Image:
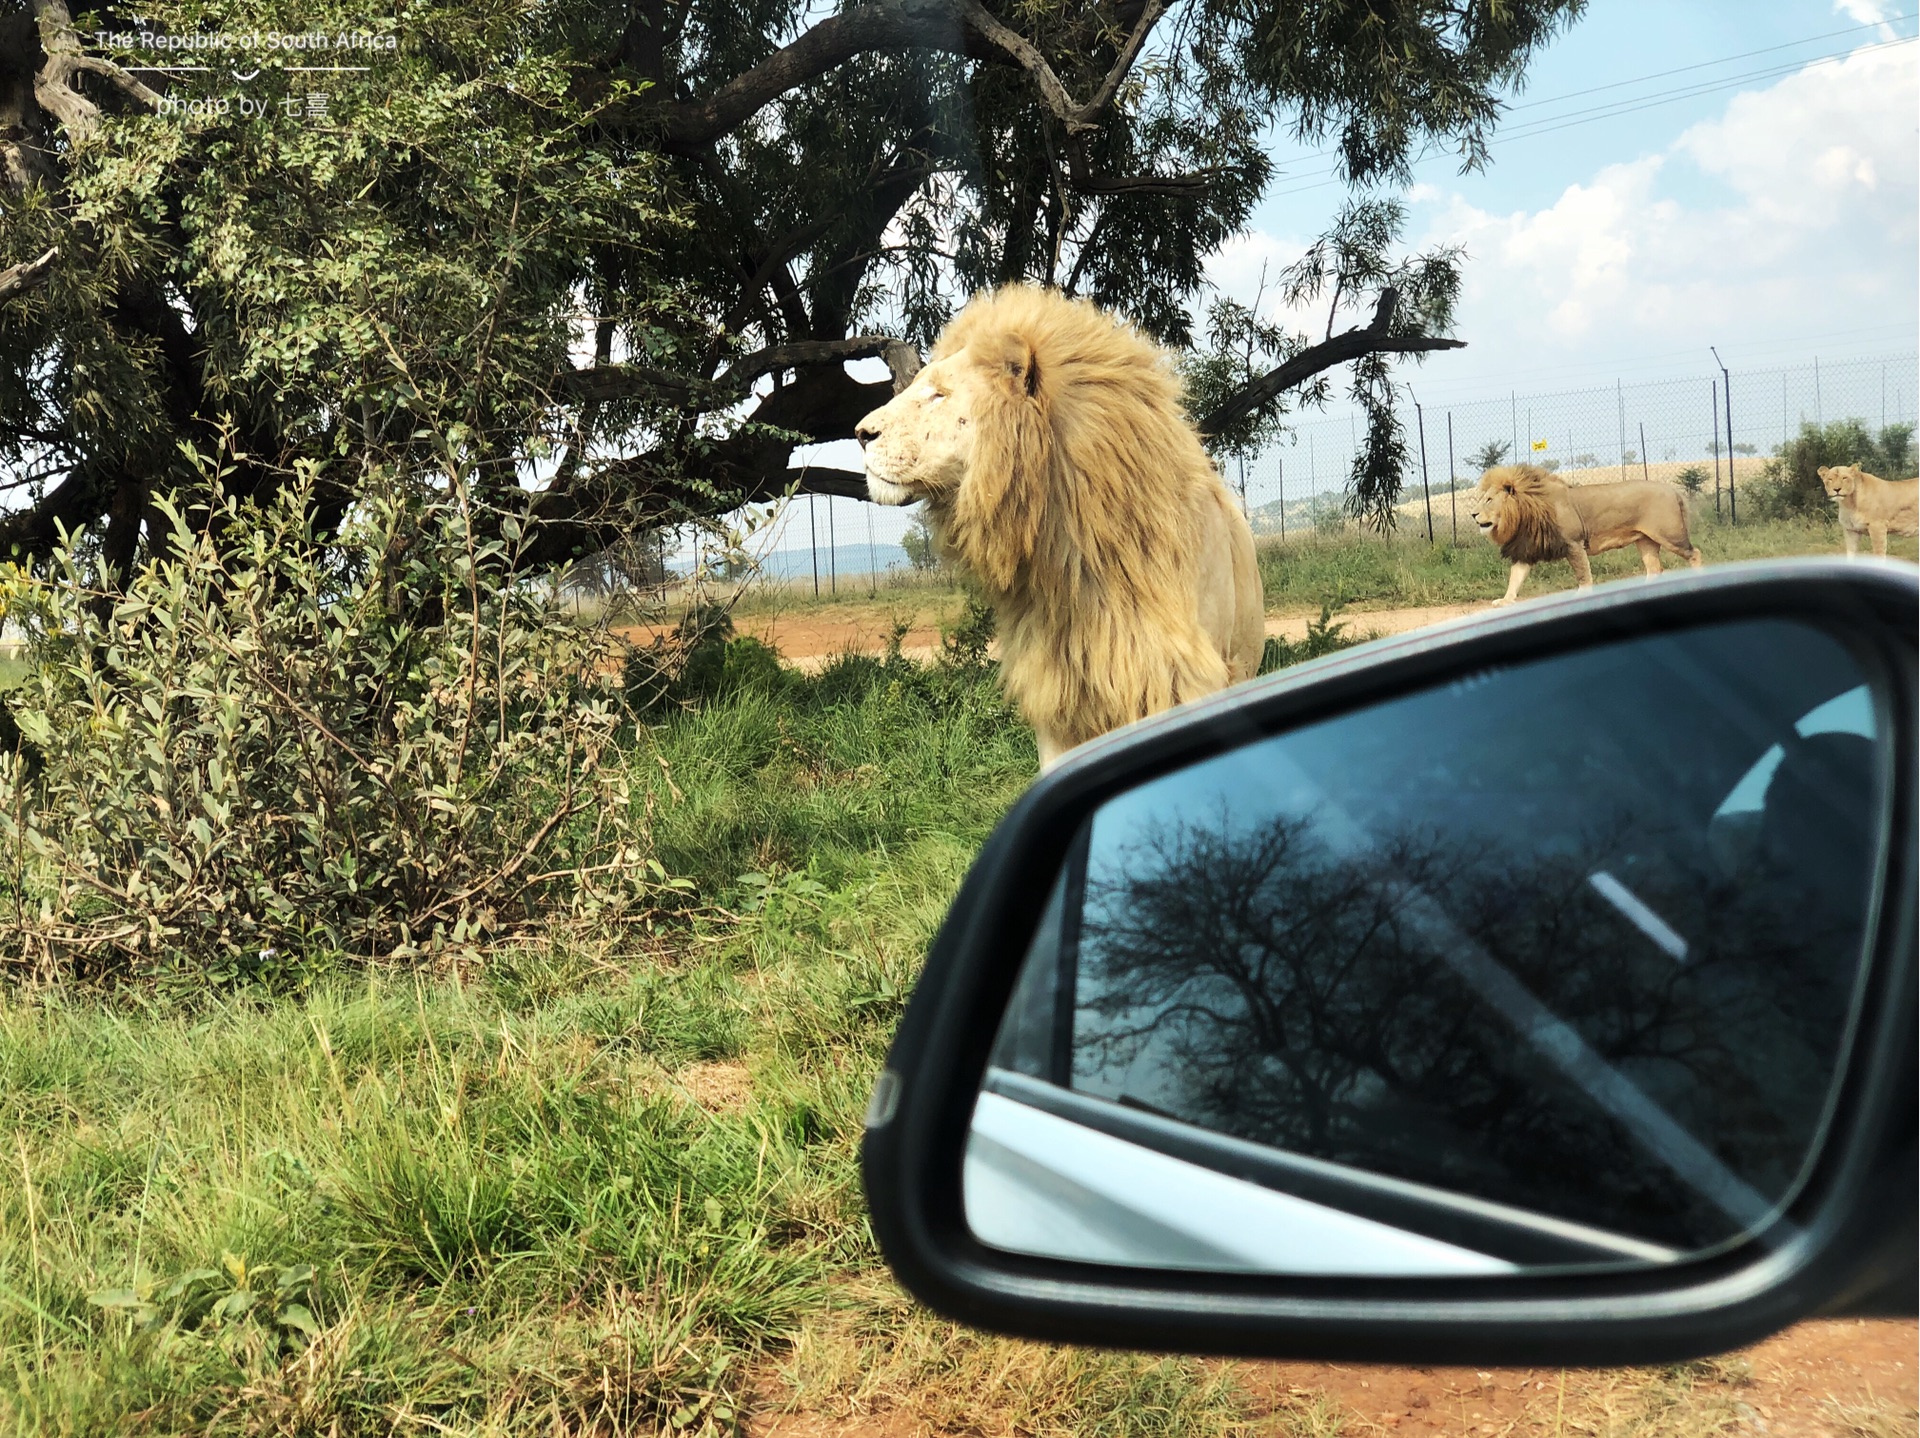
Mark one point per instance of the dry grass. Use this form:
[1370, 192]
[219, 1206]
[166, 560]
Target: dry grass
[876, 1356]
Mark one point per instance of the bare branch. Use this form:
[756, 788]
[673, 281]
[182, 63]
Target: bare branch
[888, 25]
[630, 381]
[802, 352]
[1354, 344]
[65, 62]
[1024, 54]
[819, 479]
[956, 27]
[27, 275]
[1085, 116]
[1191, 183]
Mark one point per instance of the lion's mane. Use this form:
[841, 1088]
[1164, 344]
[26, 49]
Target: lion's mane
[1525, 527]
[1094, 518]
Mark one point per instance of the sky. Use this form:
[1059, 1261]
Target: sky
[1773, 217]
[1739, 174]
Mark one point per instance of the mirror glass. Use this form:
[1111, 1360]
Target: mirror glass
[1550, 967]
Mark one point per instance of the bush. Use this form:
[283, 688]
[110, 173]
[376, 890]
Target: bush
[275, 753]
[1789, 483]
[702, 661]
[1692, 479]
[965, 645]
[1325, 635]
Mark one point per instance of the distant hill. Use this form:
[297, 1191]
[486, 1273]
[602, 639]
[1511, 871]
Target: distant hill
[845, 560]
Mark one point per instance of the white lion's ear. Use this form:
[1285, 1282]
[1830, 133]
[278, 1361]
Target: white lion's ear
[1014, 360]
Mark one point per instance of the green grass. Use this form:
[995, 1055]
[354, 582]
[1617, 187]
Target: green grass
[607, 1188]
[567, 1191]
[1369, 571]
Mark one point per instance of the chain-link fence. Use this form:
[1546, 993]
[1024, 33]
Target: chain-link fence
[1653, 430]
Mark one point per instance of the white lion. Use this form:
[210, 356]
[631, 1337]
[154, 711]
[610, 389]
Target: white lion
[1050, 448]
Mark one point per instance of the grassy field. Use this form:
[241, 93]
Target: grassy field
[608, 1189]
[1347, 567]
[1369, 572]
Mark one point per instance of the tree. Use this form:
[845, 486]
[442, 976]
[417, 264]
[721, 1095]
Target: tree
[1491, 453]
[628, 250]
[918, 543]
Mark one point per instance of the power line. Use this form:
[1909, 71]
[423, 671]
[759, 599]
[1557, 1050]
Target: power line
[1546, 124]
[1709, 64]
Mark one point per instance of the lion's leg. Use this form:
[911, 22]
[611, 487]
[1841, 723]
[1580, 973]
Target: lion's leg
[1879, 532]
[1695, 558]
[1649, 555]
[1516, 576]
[1582, 571]
[1850, 538]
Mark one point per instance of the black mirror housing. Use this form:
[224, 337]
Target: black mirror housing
[1848, 1245]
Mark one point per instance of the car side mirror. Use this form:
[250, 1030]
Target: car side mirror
[1536, 989]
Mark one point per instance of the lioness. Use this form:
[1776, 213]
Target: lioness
[1534, 517]
[1049, 446]
[1871, 505]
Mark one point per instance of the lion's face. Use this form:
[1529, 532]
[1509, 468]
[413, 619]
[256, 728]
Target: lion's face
[1839, 480]
[1493, 505]
[920, 443]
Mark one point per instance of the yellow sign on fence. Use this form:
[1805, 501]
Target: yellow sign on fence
[1538, 445]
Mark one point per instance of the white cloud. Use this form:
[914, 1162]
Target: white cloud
[1792, 213]
[1867, 12]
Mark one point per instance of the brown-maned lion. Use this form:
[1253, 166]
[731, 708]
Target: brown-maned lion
[1871, 505]
[1049, 446]
[1535, 517]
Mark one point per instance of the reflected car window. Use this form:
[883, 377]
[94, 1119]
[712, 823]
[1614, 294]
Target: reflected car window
[1490, 938]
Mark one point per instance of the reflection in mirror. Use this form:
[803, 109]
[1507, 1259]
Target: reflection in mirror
[1551, 967]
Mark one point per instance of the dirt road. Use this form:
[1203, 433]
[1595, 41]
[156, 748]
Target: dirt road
[1823, 1379]
[808, 641]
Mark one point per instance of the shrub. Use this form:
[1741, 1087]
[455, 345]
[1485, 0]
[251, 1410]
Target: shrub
[1692, 479]
[703, 661]
[1325, 635]
[275, 753]
[965, 645]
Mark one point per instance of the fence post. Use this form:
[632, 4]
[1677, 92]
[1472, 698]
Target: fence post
[873, 561]
[1644, 473]
[1283, 492]
[1245, 513]
[833, 553]
[813, 542]
[1425, 489]
[1620, 400]
[1733, 488]
[1713, 402]
[1453, 482]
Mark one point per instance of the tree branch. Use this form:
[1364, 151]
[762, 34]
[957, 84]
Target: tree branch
[888, 25]
[956, 27]
[32, 533]
[66, 61]
[821, 479]
[27, 275]
[1027, 56]
[1087, 114]
[629, 381]
[1355, 343]
[1191, 183]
